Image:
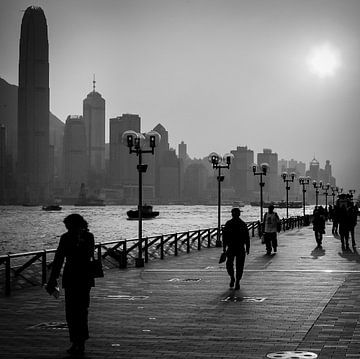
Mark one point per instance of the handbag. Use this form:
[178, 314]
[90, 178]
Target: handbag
[222, 257]
[96, 269]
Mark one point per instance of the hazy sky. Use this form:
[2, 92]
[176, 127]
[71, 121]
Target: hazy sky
[216, 73]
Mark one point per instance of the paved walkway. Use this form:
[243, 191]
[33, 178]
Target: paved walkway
[300, 299]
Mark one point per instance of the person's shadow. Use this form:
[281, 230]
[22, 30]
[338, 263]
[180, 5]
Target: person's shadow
[350, 255]
[318, 252]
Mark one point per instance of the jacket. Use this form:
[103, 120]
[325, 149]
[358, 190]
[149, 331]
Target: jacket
[236, 235]
[76, 250]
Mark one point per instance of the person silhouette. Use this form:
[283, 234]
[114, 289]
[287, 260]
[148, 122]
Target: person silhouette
[76, 247]
[236, 244]
[270, 225]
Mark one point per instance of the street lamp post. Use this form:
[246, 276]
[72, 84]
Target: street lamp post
[287, 178]
[263, 170]
[136, 143]
[317, 186]
[352, 192]
[218, 163]
[304, 181]
[326, 189]
[333, 193]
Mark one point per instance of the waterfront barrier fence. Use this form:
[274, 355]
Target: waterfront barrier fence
[19, 270]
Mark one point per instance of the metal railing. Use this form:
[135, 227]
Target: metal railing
[118, 253]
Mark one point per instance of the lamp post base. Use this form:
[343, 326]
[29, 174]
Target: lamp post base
[139, 262]
[218, 243]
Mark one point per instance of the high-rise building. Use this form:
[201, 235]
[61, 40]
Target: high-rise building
[75, 155]
[3, 169]
[122, 164]
[160, 153]
[33, 108]
[94, 117]
[272, 177]
[241, 174]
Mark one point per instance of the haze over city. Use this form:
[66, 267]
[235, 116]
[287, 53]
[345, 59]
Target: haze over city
[264, 74]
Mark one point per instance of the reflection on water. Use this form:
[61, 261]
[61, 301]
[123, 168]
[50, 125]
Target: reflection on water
[30, 228]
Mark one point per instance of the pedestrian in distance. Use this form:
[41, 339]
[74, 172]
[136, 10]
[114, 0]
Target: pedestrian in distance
[318, 225]
[236, 244]
[344, 227]
[76, 248]
[352, 212]
[271, 226]
[335, 220]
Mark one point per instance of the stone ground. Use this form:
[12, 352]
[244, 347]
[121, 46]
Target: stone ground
[301, 299]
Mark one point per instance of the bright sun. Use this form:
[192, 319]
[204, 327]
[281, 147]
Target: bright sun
[323, 60]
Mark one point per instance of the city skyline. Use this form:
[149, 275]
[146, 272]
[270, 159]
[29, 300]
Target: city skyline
[220, 93]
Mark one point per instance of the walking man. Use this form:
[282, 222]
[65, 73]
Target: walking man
[271, 221]
[236, 243]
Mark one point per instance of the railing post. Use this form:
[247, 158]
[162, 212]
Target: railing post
[188, 242]
[7, 276]
[209, 238]
[199, 240]
[99, 252]
[43, 265]
[176, 245]
[146, 250]
[162, 247]
[253, 229]
[123, 263]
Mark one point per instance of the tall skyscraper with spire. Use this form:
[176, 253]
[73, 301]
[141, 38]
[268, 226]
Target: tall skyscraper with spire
[33, 108]
[94, 117]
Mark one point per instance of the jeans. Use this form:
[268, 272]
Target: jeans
[239, 258]
[77, 301]
[270, 241]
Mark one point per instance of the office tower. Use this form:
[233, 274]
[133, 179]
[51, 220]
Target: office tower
[195, 181]
[75, 155]
[184, 160]
[122, 164]
[241, 173]
[272, 177]
[183, 151]
[314, 170]
[3, 169]
[160, 152]
[169, 177]
[94, 117]
[33, 108]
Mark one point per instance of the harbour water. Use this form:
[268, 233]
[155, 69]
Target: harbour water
[25, 229]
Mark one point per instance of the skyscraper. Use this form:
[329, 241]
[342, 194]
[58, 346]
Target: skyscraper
[75, 156]
[94, 117]
[272, 177]
[241, 174]
[33, 108]
[122, 165]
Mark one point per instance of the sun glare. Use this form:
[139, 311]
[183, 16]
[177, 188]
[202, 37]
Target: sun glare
[323, 61]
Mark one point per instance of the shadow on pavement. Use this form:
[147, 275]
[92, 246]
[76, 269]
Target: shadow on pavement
[350, 255]
[317, 252]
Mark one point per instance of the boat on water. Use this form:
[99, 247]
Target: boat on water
[291, 204]
[85, 201]
[278, 204]
[146, 213]
[52, 207]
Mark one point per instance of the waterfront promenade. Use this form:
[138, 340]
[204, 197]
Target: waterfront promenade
[300, 299]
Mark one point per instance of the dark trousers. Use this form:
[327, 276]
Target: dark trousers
[239, 258]
[352, 234]
[344, 235]
[270, 241]
[77, 301]
[318, 237]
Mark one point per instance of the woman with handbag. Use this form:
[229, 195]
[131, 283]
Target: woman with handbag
[76, 247]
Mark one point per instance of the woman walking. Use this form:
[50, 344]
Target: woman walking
[77, 247]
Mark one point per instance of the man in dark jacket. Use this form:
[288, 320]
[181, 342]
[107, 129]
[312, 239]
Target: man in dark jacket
[236, 243]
